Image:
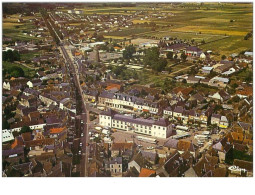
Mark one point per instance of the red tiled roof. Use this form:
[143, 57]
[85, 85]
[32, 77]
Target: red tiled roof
[146, 172]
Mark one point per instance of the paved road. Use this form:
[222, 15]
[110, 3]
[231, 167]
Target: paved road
[73, 69]
[75, 77]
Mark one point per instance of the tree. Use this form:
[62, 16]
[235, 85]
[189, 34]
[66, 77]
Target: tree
[223, 57]
[16, 71]
[128, 52]
[184, 56]
[170, 55]
[25, 129]
[11, 55]
[151, 55]
[5, 125]
[159, 65]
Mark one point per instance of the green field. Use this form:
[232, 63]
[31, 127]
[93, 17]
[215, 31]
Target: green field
[128, 32]
[28, 72]
[15, 30]
[221, 25]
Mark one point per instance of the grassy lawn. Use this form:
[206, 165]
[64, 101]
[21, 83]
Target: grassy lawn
[29, 56]
[28, 72]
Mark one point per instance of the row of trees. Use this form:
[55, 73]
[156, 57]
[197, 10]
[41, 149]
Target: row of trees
[11, 56]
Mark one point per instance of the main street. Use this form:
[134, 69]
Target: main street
[84, 115]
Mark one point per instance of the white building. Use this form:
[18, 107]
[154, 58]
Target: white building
[161, 128]
[7, 136]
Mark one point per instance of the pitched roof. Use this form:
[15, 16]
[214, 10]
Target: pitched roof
[56, 130]
[146, 172]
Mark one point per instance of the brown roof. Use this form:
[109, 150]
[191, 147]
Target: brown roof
[184, 145]
[122, 146]
[147, 173]
[205, 164]
[244, 164]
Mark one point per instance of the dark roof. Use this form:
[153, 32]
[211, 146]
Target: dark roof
[178, 109]
[171, 143]
[9, 152]
[117, 160]
[53, 120]
[192, 48]
[162, 122]
[149, 155]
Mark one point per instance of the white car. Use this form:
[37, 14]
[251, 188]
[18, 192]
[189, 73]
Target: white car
[81, 144]
[80, 152]
[82, 135]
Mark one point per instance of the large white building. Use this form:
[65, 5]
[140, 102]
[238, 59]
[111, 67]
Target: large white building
[161, 128]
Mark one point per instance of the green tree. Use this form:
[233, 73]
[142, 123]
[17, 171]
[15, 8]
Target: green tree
[16, 71]
[25, 129]
[223, 57]
[184, 56]
[169, 55]
[128, 52]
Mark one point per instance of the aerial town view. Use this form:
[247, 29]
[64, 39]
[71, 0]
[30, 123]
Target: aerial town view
[127, 89]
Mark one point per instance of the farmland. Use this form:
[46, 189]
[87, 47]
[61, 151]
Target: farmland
[221, 26]
[18, 31]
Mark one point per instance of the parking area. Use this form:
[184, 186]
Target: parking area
[123, 136]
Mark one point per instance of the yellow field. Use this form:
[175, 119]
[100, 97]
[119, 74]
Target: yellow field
[140, 21]
[7, 25]
[210, 31]
[216, 20]
[114, 37]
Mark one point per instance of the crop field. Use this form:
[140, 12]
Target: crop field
[128, 32]
[14, 30]
[186, 35]
[221, 26]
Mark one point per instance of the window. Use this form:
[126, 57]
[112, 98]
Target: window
[158, 127]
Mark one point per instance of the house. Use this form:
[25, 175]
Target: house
[119, 148]
[138, 162]
[90, 95]
[173, 164]
[150, 156]
[116, 166]
[168, 111]
[184, 145]
[248, 54]
[215, 119]
[34, 83]
[147, 173]
[178, 111]
[193, 51]
[7, 136]
[223, 148]
[221, 96]
[193, 80]
[223, 122]
[206, 165]
[57, 132]
[207, 69]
